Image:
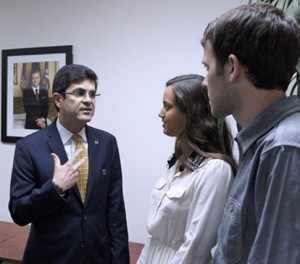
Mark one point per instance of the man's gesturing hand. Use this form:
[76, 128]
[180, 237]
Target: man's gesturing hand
[66, 175]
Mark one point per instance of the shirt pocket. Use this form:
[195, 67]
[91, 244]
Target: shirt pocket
[160, 184]
[158, 192]
[176, 203]
[176, 192]
[229, 234]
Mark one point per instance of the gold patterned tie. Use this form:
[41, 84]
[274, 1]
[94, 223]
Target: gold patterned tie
[84, 168]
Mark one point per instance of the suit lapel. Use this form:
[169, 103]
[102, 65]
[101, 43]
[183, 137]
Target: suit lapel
[57, 147]
[55, 143]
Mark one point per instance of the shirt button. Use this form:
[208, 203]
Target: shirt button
[84, 217]
[81, 244]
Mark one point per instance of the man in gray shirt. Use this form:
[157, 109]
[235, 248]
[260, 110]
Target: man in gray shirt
[250, 54]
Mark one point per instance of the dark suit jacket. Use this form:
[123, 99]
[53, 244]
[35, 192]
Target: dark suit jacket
[34, 109]
[63, 230]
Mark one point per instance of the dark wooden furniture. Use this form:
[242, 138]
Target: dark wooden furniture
[13, 240]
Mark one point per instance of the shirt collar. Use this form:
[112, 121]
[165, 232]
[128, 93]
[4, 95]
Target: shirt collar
[66, 135]
[34, 88]
[266, 120]
[192, 163]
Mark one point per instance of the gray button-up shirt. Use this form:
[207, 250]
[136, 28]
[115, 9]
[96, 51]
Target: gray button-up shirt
[261, 221]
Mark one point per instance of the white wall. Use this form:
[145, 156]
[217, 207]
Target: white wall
[134, 46]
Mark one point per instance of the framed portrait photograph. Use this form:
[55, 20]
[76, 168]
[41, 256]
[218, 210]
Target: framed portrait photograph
[27, 78]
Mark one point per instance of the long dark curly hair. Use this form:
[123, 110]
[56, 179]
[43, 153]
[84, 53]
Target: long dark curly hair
[201, 127]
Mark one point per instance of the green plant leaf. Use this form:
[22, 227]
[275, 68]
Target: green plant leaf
[296, 85]
[261, 1]
[283, 4]
[280, 4]
[298, 66]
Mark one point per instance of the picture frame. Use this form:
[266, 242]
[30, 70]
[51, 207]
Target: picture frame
[19, 67]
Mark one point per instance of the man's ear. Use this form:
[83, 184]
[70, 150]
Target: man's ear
[57, 98]
[234, 67]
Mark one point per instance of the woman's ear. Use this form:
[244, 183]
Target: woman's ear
[235, 67]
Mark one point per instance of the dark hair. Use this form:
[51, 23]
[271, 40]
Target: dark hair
[264, 39]
[72, 73]
[36, 71]
[201, 127]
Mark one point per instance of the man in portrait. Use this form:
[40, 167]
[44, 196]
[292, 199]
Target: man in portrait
[36, 103]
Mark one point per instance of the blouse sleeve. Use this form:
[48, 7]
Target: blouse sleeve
[211, 191]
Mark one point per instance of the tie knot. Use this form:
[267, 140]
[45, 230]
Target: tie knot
[77, 139]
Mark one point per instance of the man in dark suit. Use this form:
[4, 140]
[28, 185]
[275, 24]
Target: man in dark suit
[36, 104]
[67, 228]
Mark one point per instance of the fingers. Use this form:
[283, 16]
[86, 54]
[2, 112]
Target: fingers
[66, 175]
[81, 161]
[40, 122]
[55, 159]
[74, 161]
[71, 162]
